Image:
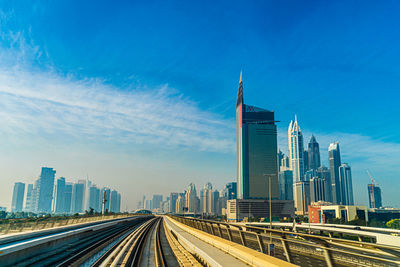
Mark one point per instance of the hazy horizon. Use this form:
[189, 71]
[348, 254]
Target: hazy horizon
[142, 99]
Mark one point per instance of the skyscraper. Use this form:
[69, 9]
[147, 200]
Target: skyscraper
[45, 190]
[113, 201]
[207, 199]
[296, 150]
[317, 189]
[230, 191]
[346, 185]
[68, 197]
[157, 199]
[172, 202]
[374, 196]
[191, 200]
[28, 200]
[94, 198]
[78, 196]
[286, 184]
[256, 137]
[302, 197]
[324, 173]
[59, 195]
[106, 206]
[334, 163]
[314, 158]
[18, 197]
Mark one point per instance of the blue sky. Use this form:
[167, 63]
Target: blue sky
[141, 95]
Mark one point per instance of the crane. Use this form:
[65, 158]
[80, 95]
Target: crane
[370, 176]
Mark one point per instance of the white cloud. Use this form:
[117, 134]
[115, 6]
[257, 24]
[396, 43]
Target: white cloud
[47, 103]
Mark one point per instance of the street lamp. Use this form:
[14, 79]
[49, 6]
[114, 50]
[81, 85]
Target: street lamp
[270, 212]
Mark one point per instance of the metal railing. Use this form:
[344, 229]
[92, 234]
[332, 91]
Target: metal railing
[293, 246]
[52, 222]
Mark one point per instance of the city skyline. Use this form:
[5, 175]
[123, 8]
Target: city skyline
[159, 113]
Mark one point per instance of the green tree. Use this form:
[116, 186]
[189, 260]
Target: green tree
[395, 224]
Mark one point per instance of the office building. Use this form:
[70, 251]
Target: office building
[105, 199]
[374, 196]
[296, 150]
[28, 200]
[301, 197]
[207, 199]
[324, 173]
[68, 197]
[346, 185]
[317, 189]
[286, 184]
[334, 164]
[239, 209]
[148, 204]
[78, 196]
[191, 203]
[114, 201]
[94, 199]
[280, 158]
[256, 136]
[230, 191]
[180, 204]
[314, 157]
[172, 202]
[157, 200]
[45, 186]
[59, 196]
[18, 197]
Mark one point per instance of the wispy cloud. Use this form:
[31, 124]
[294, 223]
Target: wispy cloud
[47, 103]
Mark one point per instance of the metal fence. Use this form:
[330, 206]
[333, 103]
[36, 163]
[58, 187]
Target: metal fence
[22, 225]
[301, 248]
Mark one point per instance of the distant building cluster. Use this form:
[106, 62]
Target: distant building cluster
[50, 195]
[207, 202]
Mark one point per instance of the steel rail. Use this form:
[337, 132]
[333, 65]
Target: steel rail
[160, 257]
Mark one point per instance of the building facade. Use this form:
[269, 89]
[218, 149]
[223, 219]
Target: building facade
[256, 136]
[317, 189]
[18, 197]
[334, 164]
[314, 157]
[301, 197]
[346, 185]
[286, 184]
[44, 190]
[374, 196]
[296, 150]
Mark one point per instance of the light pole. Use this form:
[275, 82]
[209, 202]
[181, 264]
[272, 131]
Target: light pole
[270, 213]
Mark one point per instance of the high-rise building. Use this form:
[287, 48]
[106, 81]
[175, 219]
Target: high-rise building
[334, 163]
[113, 201]
[59, 196]
[78, 197]
[317, 189]
[207, 199]
[374, 196]
[119, 203]
[280, 158]
[105, 199]
[148, 204]
[94, 198]
[305, 160]
[230, 191]
[172, 202]
[302, 197]
[324, 173]
[68, 197]
[45, 190]
[157, 199]
[346, 185]
[286, 184]
[296, 150]
[256, 137]
[18, 197]
[285, 163]
[180, 203]
[191, 199]
[314, 158]
[28, 200]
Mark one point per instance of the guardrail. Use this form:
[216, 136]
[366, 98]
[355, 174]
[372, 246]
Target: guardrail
[52, 222]
[292, 245]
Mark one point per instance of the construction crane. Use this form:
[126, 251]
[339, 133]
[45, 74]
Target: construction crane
[370, 176]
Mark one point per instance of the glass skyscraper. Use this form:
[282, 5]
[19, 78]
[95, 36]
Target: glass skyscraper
[346, 185]
[45, 190]
[18, 197]
[256, 137]
[334, 163]
[374, 196]
[314, 159]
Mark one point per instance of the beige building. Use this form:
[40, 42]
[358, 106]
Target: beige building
[301, 192]
[349, 213]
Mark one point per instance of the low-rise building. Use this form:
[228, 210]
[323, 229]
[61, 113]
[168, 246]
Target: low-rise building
[238, 209]
[322, 213]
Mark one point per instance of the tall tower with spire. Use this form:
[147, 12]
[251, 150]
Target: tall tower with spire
[296, 150]
[257, 146]
[314, 157]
